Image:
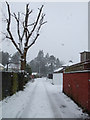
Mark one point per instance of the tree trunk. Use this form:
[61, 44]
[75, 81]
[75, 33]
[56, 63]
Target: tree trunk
[23, 64]
[23, 61]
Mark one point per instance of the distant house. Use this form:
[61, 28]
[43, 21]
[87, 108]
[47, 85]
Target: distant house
[34, 73]
[1, 67]
[11, 67]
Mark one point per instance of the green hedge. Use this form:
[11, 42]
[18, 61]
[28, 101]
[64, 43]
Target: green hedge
[13, 82]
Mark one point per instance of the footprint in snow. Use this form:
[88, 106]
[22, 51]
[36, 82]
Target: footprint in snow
[62, 106]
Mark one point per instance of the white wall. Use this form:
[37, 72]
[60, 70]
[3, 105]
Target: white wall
[58, 79]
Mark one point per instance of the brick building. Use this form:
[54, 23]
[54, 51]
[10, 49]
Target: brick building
[76, 81]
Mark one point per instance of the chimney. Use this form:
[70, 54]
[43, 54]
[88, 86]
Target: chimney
[85, 56]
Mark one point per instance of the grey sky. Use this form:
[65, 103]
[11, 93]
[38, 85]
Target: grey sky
[66, 33]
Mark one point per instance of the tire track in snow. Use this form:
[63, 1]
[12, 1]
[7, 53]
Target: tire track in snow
[31, 96]
[54, 106]
[61, 108]
[39, 107]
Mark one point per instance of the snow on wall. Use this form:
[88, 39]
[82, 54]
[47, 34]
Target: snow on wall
[58, 78]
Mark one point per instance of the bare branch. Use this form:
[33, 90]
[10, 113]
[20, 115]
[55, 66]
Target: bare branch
[23, 30]
[25, 23]
[31, 24]
[8, 37]
[41, 23]
[33, 41]
[44, 22]
[36, 22]
[38, 29]
[18, 25]
[26, 20]
[30, 12]
[8, 29]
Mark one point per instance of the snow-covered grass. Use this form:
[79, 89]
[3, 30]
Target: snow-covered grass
[41, 99]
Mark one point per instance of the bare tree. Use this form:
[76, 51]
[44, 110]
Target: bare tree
[29, 31]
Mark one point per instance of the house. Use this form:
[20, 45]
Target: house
[76, 81]
[1, 67]
[35, 74]
[12, 67]
[58, 74]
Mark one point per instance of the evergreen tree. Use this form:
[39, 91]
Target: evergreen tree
[4, 57]
[40, 55]
[58, 63]
[28, 69]
[15, 58]
[44, 65]
[47, 56]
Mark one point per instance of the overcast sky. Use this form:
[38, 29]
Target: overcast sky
[66, 33]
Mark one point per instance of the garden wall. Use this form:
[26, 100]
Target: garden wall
[77, 86]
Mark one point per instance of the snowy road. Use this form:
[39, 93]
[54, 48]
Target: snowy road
[39, 105]
[41, 99]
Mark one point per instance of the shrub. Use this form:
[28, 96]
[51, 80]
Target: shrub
[15, 83]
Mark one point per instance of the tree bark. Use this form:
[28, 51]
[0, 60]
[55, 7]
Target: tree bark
[23, 64]
[23, 60]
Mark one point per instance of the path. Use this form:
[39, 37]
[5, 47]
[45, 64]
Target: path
[41, 99]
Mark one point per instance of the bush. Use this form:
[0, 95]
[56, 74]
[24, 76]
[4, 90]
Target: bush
[28, 69]
[13, 82]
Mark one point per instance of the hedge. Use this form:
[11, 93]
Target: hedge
[12, 82]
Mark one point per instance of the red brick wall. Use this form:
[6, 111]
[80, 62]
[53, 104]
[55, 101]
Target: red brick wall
[77, 86]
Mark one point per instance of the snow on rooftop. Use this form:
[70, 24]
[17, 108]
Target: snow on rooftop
[34, 73]
[68, 64]
[59, 69]
[1, 65]
[12, 65]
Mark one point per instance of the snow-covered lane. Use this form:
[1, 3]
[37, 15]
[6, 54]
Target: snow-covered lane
[39, 106]
[62, 106]
[41, 99]
[48, 101]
